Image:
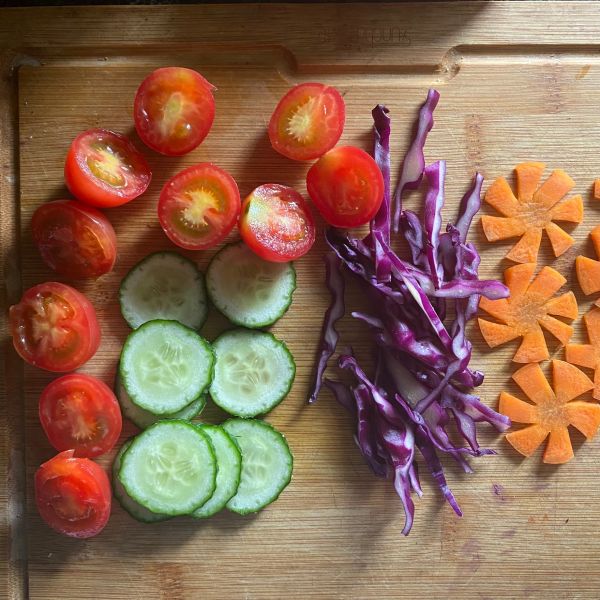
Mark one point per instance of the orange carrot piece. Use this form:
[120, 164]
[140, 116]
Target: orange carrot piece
[588, 274]
[529, 306]
[560, 240]
[533, 210]
[563, 306]
[556, 187]
[501, 197]
[528, 176]
[559, 449]
[588, 355]
[597, 189]
[570, 210]
[595, 235]
[527, 440]
[552, 411]
[501, 228]
[516, 410]
[527, 248]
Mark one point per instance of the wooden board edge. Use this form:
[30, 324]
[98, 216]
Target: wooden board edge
[13, 539]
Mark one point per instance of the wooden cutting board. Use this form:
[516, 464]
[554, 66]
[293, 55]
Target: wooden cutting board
[518, 81]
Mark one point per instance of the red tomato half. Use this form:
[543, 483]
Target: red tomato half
[80, 412]
[346, 186]
[276, 223]
[54, 327]
[104, 168]
[73, 495]
[199, 206]
[308, 121]
[75, 240]
[174, 110]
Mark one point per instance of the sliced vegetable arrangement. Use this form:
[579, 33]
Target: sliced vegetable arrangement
[535, 208]
[422, 362]
[588, 269]
[588, 355]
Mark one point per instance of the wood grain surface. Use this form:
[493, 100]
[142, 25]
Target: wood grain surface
[518, 81]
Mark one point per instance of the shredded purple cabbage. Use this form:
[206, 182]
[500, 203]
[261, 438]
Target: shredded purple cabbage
[420, 391]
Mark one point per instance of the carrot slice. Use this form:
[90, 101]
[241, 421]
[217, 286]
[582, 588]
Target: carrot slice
[552, 411]
[558, 449]
[588, 355]
[588, 274]
[570, 210]
[529, 306]
[528, 176]
[560, 240]
[597, 189]
[534, 209]
[595, 235]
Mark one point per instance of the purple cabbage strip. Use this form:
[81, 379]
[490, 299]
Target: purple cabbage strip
[414, 161]
[419, 396]
[336, 309]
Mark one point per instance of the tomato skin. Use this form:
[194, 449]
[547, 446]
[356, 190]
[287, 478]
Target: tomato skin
[80, 412]
[97, 152]
[174, 110]
[308, 121]
[346, 186]
[54, 327]
[75, 240]
[73, 495]
[199, 206]
[276, 223]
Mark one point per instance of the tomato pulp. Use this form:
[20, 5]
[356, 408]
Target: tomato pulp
[276, 223]
[54, 327]
[75, 240]
[308, 121]
[174, 109]
[104, 168]
[80, 412]
[346, 186]
[73, 495]
[199, 206]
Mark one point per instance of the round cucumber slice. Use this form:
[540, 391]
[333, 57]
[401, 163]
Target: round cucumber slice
[164, 285]
[165, 366]
[137, 511]
[170, 468]
[267, 464]
[143, 418]
[254, 371]
[248, 290]
[229, 461]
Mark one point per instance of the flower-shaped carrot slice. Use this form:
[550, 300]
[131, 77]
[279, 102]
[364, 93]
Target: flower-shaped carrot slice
[588, 269]
[533, 209]
[527, 310]
[588, 355]
[552, 411]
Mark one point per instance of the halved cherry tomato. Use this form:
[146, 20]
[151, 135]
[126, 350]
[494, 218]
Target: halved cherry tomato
[54, 327]
[80, 412]
[276, 223]
[199, 206]
[174, 110]
[346, 186]
[104, 168]
[73, 495]
[308, 121]
[75, 240]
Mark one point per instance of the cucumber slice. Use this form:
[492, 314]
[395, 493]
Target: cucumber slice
[137, 511]
[249, 291]
[267, 464]
[229, 460]
[165, 366]
[254, 371]
[143, 419]
[164, 285]
[170, 468]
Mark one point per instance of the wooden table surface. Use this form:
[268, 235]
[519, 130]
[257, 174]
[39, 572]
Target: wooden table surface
[518, 81]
